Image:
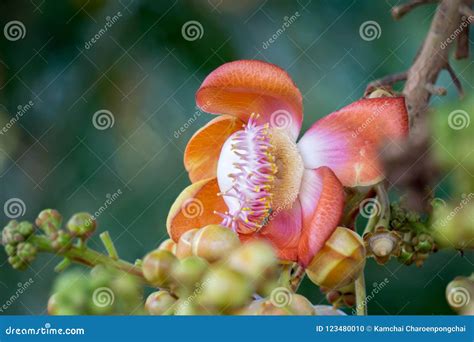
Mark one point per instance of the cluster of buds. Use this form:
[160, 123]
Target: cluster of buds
[208, 271]
[416, 241]
[22, 247]
[15, 239]
[102, 291]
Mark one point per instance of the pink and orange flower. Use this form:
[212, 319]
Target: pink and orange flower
[250, 174]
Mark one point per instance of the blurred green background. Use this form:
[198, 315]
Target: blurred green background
[144, 71]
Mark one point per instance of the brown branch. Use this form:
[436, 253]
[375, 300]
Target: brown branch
[399, 11]
[409, 166]
[386, 81]
[433, 58]
[462, 42]
[455, 79]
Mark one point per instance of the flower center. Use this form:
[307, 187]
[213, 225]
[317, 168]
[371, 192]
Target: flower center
[259, 173]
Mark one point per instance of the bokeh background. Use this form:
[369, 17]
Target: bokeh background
[145, 72]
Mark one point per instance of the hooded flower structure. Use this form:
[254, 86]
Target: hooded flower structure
[250, 174]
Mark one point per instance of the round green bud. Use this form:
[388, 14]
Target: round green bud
[82, 224]
[189, 271]
[49, 220]
[26, 251]
[157, 267]
[160, 303]
[10, 250]
[214, 242]
[52, 305]
[25, 228]
[223, 288]
[256, 260]
[62, 240]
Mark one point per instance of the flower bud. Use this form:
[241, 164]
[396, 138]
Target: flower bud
[26, 251]
[223, 288]
[327, 310]
[295, 304]
[157, 266]
[168, 245]
[256, 260]
[184, 247]
[52, 305]
[62, 240]
[160, 303]
[82, 224]
[214, 241]
[340, 261]
[49, 221]
[189, 271]
[382, 244]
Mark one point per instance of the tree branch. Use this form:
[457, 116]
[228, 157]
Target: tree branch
[399, 11]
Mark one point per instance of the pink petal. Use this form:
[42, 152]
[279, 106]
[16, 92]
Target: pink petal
[349, 140]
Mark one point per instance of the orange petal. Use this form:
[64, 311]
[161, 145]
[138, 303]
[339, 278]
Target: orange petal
[204, 148]
[322, 203]
[244, 87]
[349, 140]
[194, 208]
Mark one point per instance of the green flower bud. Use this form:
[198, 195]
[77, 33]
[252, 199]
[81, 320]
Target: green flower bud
[26, 251]
[82, 224]
[16, 262]
[406, 255]
[10, 250]
[11, 233]
[157, 267]
[49, 220]
[223, 288]
[189, 272]
[160, 303]
[52, 305]
[214, 242]
[62, 240]
[256, 260]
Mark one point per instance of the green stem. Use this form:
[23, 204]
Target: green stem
[285, 275]
[86, 256]
[109, 245]
[361, 302]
